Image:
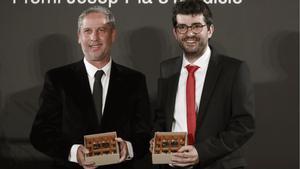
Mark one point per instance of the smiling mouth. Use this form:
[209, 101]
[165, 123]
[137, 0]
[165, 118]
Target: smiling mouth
[95, 46]
[190, 40]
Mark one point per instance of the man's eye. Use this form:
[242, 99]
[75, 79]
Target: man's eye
[197, 26]
[87, 31]
[181, 26]
[101, 30]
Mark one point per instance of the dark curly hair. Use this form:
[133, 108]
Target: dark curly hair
[192, 7]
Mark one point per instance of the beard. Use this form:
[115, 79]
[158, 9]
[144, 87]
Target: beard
[193, 47]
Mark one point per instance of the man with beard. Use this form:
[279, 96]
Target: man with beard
[93, 95]
[203, 93]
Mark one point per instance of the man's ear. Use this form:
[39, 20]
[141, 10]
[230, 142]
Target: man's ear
[78, 37]
[175, 34]
[211, 30]
[114, 34]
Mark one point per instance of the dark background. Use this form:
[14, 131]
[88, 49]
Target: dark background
[264, 33]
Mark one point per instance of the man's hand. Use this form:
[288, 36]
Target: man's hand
[151, 142]
[80, 158]
[186, 156]
[123, 149]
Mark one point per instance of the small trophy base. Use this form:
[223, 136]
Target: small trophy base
[166, 143]
[103, 148]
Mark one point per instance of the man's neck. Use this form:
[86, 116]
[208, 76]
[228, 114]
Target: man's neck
[193, 57]
[99, 63]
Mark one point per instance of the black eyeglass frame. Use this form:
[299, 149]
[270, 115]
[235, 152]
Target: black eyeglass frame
[195, 28]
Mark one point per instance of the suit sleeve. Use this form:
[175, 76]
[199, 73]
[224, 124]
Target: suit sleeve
[46, 134]
[159, 123]
[159, 117]
[241, 125]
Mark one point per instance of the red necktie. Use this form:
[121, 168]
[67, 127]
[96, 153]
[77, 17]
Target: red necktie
[191, 103]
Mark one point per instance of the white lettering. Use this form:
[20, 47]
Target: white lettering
[163, 1]
[145, 1]
[223, 1]
[175, 1]
[92, 1]
[35, 1]
[112, 2]
[70, 1]
[237, 1]
[81, 1]
[40, 1]
[207, 1]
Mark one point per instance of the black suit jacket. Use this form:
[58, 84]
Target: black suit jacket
[67, 112]
[225, 120]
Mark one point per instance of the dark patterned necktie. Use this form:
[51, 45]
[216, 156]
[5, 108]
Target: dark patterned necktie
[97, 93]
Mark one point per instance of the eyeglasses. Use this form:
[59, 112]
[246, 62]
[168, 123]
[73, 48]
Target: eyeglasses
[196, 28]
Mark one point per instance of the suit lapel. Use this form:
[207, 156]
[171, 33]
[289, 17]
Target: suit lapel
[85, 97]
[172, 90]
[111, 89]
[172, 86]
[113, 99]
[212, 75]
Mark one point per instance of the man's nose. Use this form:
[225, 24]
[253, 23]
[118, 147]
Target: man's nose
[94, 35]
[190, 32]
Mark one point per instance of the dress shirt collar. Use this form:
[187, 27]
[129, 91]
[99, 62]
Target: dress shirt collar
[201, 62]
[91, 69]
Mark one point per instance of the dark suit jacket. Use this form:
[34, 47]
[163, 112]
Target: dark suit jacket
[225, 120]
[67, 111]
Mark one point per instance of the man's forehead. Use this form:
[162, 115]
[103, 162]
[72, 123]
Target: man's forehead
[182, 18]
[95, 17]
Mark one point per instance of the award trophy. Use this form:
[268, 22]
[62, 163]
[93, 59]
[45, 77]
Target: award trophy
[103, 148]
[166, 143]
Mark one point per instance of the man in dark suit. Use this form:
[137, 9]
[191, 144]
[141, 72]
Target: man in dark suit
[206, 94]
[71, 106]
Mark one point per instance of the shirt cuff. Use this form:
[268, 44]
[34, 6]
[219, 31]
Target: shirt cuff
[73, 153]
[130, 150]
[188, 167]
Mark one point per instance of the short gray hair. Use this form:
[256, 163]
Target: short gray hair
[97, 9]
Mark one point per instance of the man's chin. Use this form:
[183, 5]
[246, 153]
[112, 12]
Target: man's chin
[95, 58]
[192, 52]
[191, 48]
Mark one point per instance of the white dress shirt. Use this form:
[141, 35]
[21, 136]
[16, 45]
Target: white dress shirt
[91, 70]
[180, 113]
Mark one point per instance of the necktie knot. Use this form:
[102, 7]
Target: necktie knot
[191, 68]
[99, 74]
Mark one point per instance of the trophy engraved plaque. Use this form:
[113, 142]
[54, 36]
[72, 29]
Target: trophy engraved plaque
[166, 143]
[103, 148]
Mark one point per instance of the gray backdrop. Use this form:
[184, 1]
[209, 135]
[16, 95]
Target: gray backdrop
[265, 33]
